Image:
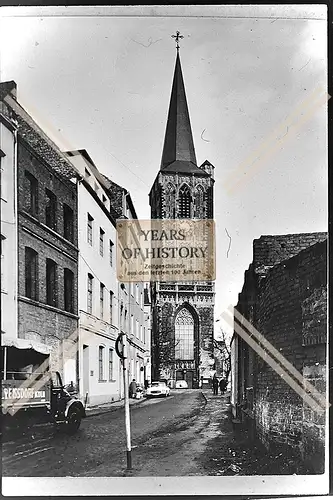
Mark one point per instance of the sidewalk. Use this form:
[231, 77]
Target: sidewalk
[92, 410]
[209, 396]
[232, 451]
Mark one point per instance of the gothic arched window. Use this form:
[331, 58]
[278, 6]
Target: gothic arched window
[184, 202]
[199, 203]
[184, 335]
[169, 201]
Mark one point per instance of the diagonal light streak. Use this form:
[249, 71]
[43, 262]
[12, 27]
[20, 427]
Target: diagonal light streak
[272, 137]
[276, 366]
[283, 361]
[280, 128]
[273, 142]
[280, 141]
[39, 383]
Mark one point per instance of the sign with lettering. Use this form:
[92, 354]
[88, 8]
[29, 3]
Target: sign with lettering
[21, 393]
[165, 250]
[186, 365]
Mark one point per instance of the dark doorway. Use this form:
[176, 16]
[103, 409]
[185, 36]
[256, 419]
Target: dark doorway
[189, 379]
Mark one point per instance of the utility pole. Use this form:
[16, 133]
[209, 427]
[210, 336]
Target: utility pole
[127, 407]
[121, 350]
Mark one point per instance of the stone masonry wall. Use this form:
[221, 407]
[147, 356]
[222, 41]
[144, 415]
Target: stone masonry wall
[282, 417]
[164, 331]
[36, 319]
[271, 250]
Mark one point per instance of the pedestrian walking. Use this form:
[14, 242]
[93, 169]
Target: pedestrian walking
[132, 389]
[215, 385]
[223, 385]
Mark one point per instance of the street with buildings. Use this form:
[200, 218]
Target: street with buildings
[187, 434]
[65, 309]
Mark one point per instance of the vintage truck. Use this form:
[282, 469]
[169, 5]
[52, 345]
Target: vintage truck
[29, 388]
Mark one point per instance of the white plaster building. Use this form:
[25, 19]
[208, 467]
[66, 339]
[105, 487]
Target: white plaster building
[8, 162]
[133, 318]
[100, 373]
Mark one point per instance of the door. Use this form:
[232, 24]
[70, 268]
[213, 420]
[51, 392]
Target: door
[189, 379]
[85, 371]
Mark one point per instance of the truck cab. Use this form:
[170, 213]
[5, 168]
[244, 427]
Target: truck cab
[34, 389]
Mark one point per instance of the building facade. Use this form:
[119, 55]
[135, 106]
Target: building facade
[47, 257]
[8, 170]
[100, 376]
[285, 298]
[133, 317]
[182, 313]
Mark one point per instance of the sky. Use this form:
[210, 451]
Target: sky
[100, 79]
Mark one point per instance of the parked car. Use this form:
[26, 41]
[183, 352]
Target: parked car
[181, 384]
[158, 389]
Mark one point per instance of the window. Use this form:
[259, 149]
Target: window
[2, 265]
[111, 307]
[90, 293]
[136, 328]
[132, 324]
[141, 338]
[199, 203]
[69, 290]
[110, 364]
[68, 223]
[90, 229]
[101, 363]
[169, 201]
[144, 334]
[110, 252]
[4, 187]
[184, 335]
[184, 202]
[31, 193]
[121, 317]
[101, 299]
[31, 274]
[101, 241]
[51, 209]
[51, 282]
[137, 293]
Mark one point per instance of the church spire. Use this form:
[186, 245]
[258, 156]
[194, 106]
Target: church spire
[178, 151]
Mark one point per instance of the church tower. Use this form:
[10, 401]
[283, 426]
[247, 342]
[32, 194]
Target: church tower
[182, 313]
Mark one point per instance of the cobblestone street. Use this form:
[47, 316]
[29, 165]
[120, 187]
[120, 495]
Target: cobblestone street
[188, 434]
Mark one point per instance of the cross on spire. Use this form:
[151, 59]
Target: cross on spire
[177, 37]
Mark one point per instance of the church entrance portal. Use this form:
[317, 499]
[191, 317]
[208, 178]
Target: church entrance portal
[188, 376]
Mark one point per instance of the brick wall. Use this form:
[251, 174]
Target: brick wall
[271, 250]
[287, 303]
[36, 319]
[282, 415]
[65, 190]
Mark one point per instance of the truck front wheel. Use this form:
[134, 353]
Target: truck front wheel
[73, 420]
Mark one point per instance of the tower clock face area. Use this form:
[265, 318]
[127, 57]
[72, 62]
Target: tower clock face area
[183, 312]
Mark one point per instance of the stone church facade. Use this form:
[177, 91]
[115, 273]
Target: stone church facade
[182, 312]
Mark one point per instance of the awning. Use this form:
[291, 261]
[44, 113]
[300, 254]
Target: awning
[7, 341]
